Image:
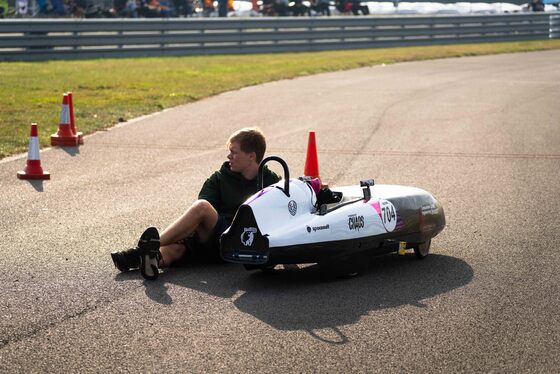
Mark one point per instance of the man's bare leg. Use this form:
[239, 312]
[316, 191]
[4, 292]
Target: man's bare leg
[201, 217]
[170, 253]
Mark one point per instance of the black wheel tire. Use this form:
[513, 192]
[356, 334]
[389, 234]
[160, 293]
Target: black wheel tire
[267, 269]
[344, 269]
[421, 250]
[263, 268]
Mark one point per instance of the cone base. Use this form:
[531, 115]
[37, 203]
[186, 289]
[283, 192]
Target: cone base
[27, 176]
[67, 141]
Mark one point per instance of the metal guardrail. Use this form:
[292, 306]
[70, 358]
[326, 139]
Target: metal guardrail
[44, 39]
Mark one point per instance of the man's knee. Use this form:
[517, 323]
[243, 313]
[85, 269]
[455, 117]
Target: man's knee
[204, 209]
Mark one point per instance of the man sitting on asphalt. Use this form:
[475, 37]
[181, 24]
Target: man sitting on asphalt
[196, 234]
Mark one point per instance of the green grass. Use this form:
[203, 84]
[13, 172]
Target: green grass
[107, 91]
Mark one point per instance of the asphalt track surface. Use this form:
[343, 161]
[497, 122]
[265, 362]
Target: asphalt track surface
[481, 133]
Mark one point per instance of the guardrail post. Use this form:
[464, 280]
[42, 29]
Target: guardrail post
[75, 34]
[484, 29]
[43, 46]
[432, 29]
[554, 30]
[120, 33]
[240, 33]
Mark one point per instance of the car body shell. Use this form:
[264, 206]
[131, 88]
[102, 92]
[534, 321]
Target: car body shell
[274, 227]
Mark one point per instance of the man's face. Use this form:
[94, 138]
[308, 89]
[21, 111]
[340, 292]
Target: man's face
[240, 161]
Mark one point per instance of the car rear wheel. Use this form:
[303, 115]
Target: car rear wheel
[421, 250]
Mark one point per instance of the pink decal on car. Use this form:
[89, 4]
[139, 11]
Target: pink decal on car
[376, 206]
[256, 196]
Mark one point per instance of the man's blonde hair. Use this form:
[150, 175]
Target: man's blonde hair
[250, 139]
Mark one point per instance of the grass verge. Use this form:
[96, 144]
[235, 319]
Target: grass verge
[107, 91]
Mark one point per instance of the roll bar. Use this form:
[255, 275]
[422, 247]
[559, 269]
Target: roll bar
[260, 177]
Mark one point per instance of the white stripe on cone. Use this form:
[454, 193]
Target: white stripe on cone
[64, 115]
[33, 152]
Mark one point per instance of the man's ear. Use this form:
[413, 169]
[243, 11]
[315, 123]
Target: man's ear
[253, 156]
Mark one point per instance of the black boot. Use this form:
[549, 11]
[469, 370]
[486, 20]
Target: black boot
[148, 248]
[126, 260]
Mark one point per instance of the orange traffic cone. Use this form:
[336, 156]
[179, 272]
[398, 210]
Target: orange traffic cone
[64, 136]
[72, 122]
[311, 168]
[33, 169]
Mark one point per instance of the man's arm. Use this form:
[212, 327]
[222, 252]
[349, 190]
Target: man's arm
[210, 191]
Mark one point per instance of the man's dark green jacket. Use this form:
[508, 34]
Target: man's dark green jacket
[227, 190]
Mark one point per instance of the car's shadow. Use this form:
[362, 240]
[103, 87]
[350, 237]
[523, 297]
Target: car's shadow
[304, 300]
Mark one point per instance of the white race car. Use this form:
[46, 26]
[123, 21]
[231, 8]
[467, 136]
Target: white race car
[291, 222]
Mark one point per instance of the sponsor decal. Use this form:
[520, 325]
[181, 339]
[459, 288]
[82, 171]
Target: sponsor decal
[248, 235]
[355, 222]
[292, 207]
[429, 209]
[318, 228]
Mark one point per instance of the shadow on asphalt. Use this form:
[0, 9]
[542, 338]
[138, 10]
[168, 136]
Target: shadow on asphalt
[303, 299]
[72, 151]
[37, 185]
